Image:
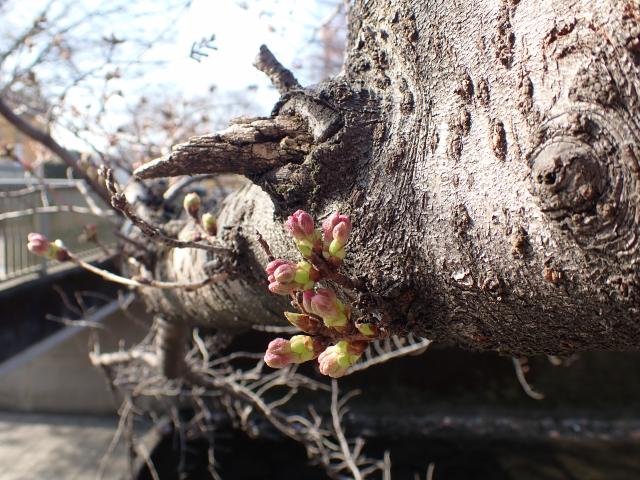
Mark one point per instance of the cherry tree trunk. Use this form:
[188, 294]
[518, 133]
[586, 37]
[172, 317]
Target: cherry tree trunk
[488, 155]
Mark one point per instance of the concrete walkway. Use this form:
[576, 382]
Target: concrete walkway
[58, 447]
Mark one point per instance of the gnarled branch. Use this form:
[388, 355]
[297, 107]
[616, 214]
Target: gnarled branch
[248, 147]
[47, 140]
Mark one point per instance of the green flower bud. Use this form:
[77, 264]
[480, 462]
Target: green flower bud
[192, 203]
[367, 329]
[303, 347]
[58, 251]
[302, 273]
[335, 360]
[305, 247]
[304, 322]
[209, 224]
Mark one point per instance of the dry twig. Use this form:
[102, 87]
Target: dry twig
[120, 202]
[522, 379]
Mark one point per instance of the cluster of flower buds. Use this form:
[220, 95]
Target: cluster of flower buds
[191, 204]
[305, 236]
[40, 245]
[298, 349]
[286, 277]
[207, 222]
[323, 314]
[327, 306]
[335, 233]
[336, 359]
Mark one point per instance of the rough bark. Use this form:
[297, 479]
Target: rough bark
[487, 153]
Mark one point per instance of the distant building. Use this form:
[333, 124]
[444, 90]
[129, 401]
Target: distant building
[27, 150]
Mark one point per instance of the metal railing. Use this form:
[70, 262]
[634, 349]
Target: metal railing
[58, 208]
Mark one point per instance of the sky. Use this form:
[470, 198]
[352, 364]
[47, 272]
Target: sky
[239, 32]
[239, 27]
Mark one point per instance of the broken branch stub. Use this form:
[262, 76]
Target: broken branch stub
[280, 77]
[248, 147]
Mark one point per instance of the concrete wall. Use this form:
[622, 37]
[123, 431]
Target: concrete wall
[55, 374]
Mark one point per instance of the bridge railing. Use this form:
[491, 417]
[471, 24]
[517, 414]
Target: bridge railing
[58, 208]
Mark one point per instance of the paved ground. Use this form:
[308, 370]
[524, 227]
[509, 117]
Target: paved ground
[58, 447]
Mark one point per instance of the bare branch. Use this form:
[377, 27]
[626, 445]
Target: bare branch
[115, 358]
[517, 364]
[280, 77]
[120, 202]
[248, 147]
[176, 189]
[144, 282]
[388, 349]
[47, 140]
[337, 427]
[430, 471]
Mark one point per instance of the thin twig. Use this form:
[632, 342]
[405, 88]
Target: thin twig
[523, 380]
[275, 329]
[120, 202]
[344, 446]
[430, 470]
[141, 282]
[115, 358]
[125, 411]
[265, 246]
[175, 190]
[47, 140]
[387, 352]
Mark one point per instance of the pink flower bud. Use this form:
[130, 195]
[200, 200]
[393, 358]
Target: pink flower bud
[299, 349]
[342, 230]
[307, 295]
[330, 223]
[273, 266]
[286, 277]
[279, 353]
[192, 203]
[282, 288]
[300, 224]
[336, 360]
[38, 244]
[335, 233]
[325, 304]
[285, 273]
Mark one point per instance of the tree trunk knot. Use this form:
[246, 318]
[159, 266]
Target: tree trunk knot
[585, 174]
